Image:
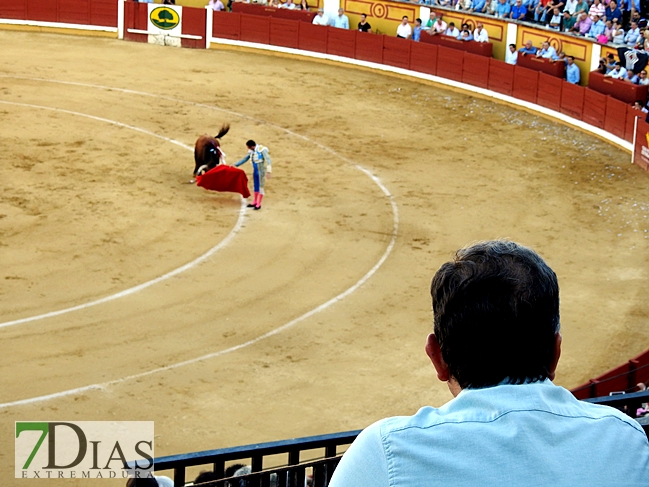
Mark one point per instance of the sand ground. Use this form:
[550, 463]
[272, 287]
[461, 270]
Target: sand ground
[94, 200]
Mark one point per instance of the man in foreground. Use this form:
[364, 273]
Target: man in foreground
[496, 343]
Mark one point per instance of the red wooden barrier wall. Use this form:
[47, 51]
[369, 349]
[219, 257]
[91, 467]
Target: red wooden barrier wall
[526, 84]
[615, 121]
[450, 63]
[82, 12]
[549, 92]
[341, 42]
[501, 77]
[396, 52]
[631, 114]
[475, 70]
[594, 108]
[283, 32]
[369, 47]
[135, 17]
[423, 58]
[313, 37]
[194, 24]
[226, 25]
[572, 100]
[255, 28]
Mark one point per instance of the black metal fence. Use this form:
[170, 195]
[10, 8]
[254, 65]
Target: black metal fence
[292, 473]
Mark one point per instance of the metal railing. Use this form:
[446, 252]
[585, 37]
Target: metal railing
[290, 475]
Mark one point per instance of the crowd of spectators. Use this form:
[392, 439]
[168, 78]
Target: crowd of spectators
[603, 21]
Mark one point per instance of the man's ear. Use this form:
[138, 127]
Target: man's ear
[555, 359]
[435, 354]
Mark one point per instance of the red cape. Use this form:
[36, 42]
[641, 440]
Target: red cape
[225, 178]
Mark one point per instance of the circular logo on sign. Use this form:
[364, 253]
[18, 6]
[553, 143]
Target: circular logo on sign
[378, 10]
[164, 18]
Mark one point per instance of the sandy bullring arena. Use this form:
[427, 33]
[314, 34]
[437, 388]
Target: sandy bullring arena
[128, 294]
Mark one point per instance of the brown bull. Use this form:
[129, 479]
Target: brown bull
[207, 151]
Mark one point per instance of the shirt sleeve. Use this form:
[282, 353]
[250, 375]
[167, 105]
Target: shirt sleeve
[269, 163]
[364, 464]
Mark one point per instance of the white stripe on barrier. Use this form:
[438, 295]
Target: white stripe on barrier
[181, 36]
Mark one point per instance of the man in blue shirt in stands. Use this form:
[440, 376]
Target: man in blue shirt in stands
[496, 343]
[573, 75]
[341, 20]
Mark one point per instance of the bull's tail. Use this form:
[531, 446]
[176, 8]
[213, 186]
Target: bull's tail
[224, 130]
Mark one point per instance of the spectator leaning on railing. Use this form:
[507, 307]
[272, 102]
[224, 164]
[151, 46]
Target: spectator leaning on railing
[573, 75]
[480, 34]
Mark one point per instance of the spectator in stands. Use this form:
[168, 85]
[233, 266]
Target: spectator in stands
[364, 25]
[289, 5]
[608, 32]
[452, 31]
[571, 6]
[643, 79]
[341, 21]
[618, 72]
[547, 52]
[610, 62]
[464, 37]
[632, 77]
[633, 35]
[496, 344]
[320, 18]
[597, 28]
[528, 48]
[303, 6]
[617, 34]
[601, 68]
[518, 11]
[217, 5]
[627, 6]
[573, 75]
[404, 31]
[479, 6]
[612, 12]
[567, 22]
[511, 55]
[555, 20]
[582, 7]
[416, 31]
[439, 27]
[480, 34]
[582, 26]
[464, 5]
[503, 9]
[597, 9]
[548, 11]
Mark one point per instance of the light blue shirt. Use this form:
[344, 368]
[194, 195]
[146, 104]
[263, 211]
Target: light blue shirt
[549, 53]
[596, 29]
[478, 5]
[573, 75]
[529, 435]
[341, 21]
[503, 9]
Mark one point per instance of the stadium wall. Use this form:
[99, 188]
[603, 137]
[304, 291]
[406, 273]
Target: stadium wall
[488, 77]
